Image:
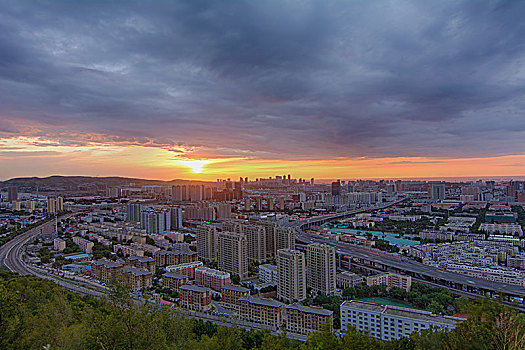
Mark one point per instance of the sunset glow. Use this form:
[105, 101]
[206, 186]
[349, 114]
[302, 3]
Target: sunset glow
[194, 164]
[338, 90]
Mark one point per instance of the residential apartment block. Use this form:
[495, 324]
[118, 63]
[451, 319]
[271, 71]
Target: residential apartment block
[232, 293]
[59, 244]
[347, 279]
[168, 257]
[264, 311]
[83, 244]
[232, 253]
[303, 319]
[291, 275]
[320, 261]
[105, 270]
[174, 281]
[142, 262]
[207, 240]
[390, 322]
[268, 274]
[390, 280]
[138, 279]
[187, 269]
[211, 278]
[195, 298]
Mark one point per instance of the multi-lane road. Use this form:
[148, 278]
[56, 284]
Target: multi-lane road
[11, 257]
[388, 261]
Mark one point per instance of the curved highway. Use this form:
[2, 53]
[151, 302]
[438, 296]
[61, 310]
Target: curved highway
[11, 256]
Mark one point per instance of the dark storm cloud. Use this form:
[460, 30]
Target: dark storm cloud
[273, 79]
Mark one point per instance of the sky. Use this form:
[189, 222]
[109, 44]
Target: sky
[216, 89]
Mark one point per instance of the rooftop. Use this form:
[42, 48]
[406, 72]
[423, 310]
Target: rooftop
[194, 288]
[310, 310]
[420, 315]
[174, 275]
[236, 288]
[261, 301]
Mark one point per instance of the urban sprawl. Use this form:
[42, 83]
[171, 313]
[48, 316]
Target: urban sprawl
[280, 253]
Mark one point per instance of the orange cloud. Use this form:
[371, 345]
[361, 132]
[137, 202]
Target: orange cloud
[37, 157]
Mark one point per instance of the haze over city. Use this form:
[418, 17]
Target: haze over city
[201, 90]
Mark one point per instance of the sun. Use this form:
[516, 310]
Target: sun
[196, 165]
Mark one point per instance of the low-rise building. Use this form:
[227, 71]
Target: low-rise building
[303, 319]
[260, 310]
[187, 269]
[142, 262]
[268, 274]
[390, 280]
[232, 293]
[211, 278]
[347, 279]
[195, 298]
[105, 270]
[59, 244]
[83, 244]
[126, 250]
[145, 247]
[505, 229]
[390, 322]
[174, 281]
[138, 279]
[166, 257]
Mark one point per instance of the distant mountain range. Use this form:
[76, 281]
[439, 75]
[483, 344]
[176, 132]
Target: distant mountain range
[73, 182]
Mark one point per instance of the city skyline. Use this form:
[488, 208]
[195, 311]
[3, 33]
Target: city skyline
[205, 90]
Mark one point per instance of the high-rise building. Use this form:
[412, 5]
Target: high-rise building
[176, 218]
[206, 236]
[237, 190]
[284, 238]
[321, 271]
[256, 236]
[180, 193]
[55, 205]
[291, 275]
[233, 253]
[281, 204]
[155, 221]
[224, 211]
[247, 204]
[17, 205]
[133, 212]
[12, 193]
[269, 200]
[196, 193]
[511, 190]
[30, 205]
[258, 204]
[438, 191]
[269, 228]
[390, 189]
[60, 204]
[51, 205]
[336, 188]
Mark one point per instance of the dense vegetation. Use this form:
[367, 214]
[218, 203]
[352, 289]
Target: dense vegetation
[35, 313]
